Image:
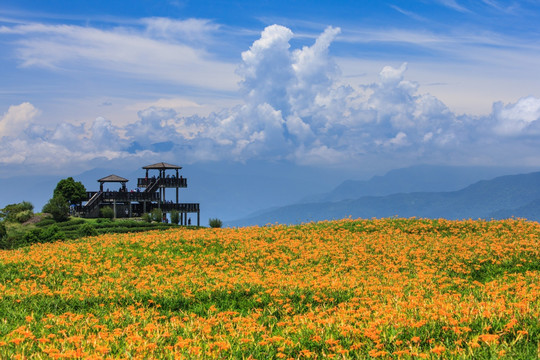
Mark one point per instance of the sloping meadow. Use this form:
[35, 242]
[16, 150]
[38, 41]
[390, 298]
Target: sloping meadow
[391, 288]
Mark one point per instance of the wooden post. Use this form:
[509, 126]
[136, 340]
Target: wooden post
[177, 185]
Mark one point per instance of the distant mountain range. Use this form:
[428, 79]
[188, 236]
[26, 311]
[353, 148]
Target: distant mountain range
[419, 178]
[501, 197]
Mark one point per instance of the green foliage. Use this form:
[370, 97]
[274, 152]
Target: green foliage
[3, 231]
[46, 222]
[147, 217]
[106, 212]
[175, 217]
[24, 216]
[215, 223]
[53, 233]
[87, 230]
[13, 235]
[157, 215]
[58, 207]
[12, 212]
[31, 237]
[37, 235]
[73, 191]
[11, 242]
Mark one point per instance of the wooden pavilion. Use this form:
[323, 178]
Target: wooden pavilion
[129, 203]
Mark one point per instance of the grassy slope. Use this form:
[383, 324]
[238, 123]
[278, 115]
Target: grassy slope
[368, 288]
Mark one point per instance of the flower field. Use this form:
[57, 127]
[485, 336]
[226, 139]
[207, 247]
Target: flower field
[353, 289]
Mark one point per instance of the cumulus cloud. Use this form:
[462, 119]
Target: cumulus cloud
[295, 107]
[17, 118]
[517, 119]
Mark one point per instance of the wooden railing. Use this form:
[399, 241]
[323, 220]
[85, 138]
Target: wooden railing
[131, 196]
[139, 208]
[183, 207]
[94, 198]
[168, 182]
[121, 196]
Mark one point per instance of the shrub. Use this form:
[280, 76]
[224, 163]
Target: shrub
[157, 215]
[106, 212]
[9, 242]
[58, 207]
[147, 217]
[24, 216]
[87, 230]
[215, 223]
[45, 222]
[175, 217]
[12, 212]
[32, 237]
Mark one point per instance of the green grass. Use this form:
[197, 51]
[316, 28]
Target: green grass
[71, 229]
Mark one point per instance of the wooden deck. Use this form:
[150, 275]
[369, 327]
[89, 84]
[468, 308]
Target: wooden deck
[150, 195]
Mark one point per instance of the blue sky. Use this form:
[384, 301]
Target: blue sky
[375, 84]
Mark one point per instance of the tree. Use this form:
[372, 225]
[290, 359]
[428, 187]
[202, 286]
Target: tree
[73, 191]
[175, 217]
[58, 207]
[3, 231]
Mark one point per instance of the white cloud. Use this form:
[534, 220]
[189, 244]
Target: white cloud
[126, 51]
[295, 107]
[453, 4]
[190, 30]
[17, 118]
[178, 104]
[266, 68]
[518, 118]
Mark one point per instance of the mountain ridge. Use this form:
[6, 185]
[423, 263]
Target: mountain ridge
[503, 196]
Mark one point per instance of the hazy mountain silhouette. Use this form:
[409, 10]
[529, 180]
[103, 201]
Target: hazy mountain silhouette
[502, 197]
[419, 178]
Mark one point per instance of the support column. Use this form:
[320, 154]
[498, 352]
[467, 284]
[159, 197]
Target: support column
[198, 218]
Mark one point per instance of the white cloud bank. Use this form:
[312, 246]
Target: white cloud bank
[296, 108]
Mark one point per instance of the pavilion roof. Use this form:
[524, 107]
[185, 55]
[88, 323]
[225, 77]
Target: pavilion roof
[113, 178]
[162, 166]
